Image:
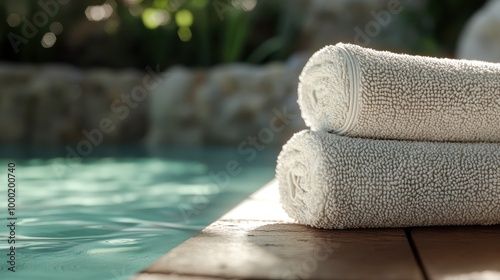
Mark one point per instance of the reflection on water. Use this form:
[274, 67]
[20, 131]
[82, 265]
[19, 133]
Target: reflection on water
[108, 218]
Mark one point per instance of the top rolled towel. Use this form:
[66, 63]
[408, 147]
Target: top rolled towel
[361, 92]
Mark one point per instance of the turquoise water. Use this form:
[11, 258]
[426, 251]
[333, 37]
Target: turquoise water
[111, 215]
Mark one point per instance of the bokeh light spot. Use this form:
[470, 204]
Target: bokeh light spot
[153, 18]
[56, 28]
[246, 5]
[13, 20]
[184, 18]
[48, 40]
[98, 13]
[184, 34]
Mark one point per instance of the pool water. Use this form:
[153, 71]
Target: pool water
[111, 215]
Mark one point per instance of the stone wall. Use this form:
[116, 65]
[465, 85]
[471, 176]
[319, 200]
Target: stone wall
[57, 104]
[225, 105]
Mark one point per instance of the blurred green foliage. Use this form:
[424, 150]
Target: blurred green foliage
[164, 32]
[201, 32]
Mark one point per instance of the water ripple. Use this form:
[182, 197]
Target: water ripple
[110, 218]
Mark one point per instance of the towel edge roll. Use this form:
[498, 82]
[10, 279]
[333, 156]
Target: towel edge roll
[323, 106]
[290, 175]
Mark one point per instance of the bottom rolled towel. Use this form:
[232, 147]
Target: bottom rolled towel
[330, 181]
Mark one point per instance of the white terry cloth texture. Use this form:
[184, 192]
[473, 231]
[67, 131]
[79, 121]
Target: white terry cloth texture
[331, 181]
[355, 91]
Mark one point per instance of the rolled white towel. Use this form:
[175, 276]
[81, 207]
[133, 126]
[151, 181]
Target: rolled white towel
[362, 92]
[331, 181]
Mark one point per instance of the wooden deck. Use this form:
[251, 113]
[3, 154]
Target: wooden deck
[257, 240]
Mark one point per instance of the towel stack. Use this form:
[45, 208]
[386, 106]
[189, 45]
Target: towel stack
[395, 141]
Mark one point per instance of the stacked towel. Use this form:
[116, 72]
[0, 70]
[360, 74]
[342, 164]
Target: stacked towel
[329, 179]
[361, 92]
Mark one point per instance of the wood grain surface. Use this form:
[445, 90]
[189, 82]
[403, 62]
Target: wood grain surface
[257, 240]
[459, 252]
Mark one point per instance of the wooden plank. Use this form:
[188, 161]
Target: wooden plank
[459, 252]
[258, 240]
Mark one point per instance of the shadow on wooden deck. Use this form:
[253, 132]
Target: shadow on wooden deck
[257, 240]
